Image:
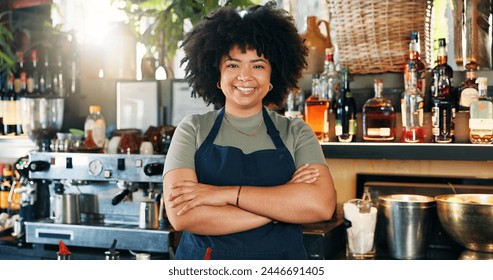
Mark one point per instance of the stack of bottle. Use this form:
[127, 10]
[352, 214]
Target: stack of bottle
[331, 95]
[44, 73]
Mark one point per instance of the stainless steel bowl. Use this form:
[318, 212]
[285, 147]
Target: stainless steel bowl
[468, 219]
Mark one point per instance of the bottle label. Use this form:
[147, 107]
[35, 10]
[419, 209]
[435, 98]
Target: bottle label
[338, 129]
[481, 125]
[10, 114]
[379, 131]
[99, 132]
[435, 116]
[352, 126]
[468, 96]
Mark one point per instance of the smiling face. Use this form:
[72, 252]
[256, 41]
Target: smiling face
[245, 81]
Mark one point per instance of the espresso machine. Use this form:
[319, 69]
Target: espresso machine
[95, 199]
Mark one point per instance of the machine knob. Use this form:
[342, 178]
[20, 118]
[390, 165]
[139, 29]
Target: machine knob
[152, 169]
[39, 165]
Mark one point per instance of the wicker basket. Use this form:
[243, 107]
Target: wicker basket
[372, 36]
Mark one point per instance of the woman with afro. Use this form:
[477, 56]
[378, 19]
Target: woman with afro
[240, 180]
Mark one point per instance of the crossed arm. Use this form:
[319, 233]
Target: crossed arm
[211, 210]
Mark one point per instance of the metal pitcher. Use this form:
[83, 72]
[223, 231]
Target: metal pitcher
[65, 208]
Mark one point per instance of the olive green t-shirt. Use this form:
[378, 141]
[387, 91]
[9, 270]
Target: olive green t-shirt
[193, 129]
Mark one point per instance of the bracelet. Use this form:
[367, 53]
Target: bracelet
[238, 196]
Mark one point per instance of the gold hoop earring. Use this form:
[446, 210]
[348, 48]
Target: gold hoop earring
[270, 87]
[218, 85]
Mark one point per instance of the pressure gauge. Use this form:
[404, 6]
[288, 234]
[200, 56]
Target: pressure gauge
[95, 167]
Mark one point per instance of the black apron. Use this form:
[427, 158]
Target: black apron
[225, 166]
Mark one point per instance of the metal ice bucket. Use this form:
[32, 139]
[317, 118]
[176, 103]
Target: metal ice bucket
[408, 221]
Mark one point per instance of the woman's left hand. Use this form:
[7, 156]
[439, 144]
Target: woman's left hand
[305, 174]
[190, 194]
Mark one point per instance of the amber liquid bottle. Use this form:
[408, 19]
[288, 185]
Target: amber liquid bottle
[414, 55]
[316, 111]
[378, 117]
[412, 109]
[468, 89]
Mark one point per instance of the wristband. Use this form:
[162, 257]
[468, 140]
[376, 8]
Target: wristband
[238, 196]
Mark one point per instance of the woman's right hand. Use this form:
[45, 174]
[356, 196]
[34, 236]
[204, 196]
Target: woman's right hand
[305, 174]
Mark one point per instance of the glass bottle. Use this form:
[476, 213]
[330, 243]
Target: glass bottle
[58, 77]
[19, 70]
[442, 59]
[8, 107]
[468, 89]
[378, 117]
[33, 75]
[414, 55]
[316, 110]
[72, 77]
[412, 109]
[19, 112]
[481, 116]
[95, 128]
[46, 76]
[443, 98]
[443, 108]
[330, 80]
[345, 128]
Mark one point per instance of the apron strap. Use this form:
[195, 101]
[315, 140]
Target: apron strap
[209, 140]
[272, 131]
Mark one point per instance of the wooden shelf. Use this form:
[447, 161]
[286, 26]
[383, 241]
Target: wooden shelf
[408, 151]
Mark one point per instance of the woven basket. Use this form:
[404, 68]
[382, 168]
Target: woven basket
[372, 36]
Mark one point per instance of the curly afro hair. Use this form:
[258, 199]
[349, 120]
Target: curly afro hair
[265, 28]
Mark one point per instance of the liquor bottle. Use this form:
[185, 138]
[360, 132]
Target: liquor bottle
[345, 111]
[58, 77]
[19, 70]
[412, 109]
[414, 55]
[9, 107]
[481, 116]
[443, 98]
[33, 76]
[19, 112]
[442, 59]
[378, 117]
[72, 67]
[95, 128]
[468, 89]
[316, 110]
[46, 77]
[330, 80]
[443, 108]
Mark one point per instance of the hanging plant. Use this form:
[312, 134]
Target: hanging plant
[168, 19]
[7, 57]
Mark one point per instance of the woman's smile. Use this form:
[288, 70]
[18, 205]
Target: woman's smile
[245, 81]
